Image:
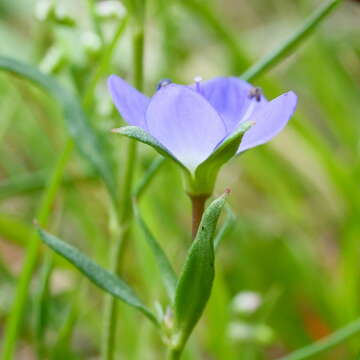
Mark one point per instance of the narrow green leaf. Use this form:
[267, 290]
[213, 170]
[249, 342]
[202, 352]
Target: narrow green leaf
[226, 228]
[138, 134]
[148, 176]
[292, 42]
[91, 144]
[325, 344]
[195, 283]
[166, 270]
[95, 273]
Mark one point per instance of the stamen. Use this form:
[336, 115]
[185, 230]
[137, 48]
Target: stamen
[248, 112]
[162, 83]
[255, 93]
[198, 80]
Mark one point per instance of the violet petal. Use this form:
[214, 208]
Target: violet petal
[130, 103]
[269, 120]
[230, 97]
[185, 123]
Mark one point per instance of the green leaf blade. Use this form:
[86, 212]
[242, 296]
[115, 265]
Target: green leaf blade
[96, 274]
[167, 272]
[195, 283]
[90, 143]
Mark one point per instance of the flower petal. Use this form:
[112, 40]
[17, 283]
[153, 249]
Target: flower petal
[130, 103]
[231, 98]
[185, 123]
[269, 120]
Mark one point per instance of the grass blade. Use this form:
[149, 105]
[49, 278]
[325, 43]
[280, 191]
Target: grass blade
[293, 42]
[166, 270]
[89, 142]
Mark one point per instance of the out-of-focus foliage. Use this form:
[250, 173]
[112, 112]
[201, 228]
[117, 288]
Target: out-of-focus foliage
[297, 199]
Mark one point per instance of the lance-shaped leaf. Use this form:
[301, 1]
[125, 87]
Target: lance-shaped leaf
[226, 228]
[195, 283]
[167, 273]
[101, 277]
[90, 143]
[202, 182]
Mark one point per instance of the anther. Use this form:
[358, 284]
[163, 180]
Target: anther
[255, 93]
[162, 83]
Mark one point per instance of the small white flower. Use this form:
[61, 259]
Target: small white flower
[110, 9]
[246, 302]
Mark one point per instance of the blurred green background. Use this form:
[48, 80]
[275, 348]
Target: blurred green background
[296, 242]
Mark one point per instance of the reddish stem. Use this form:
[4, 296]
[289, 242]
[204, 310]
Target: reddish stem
[198, 206]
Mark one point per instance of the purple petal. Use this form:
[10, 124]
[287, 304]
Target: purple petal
[185, 123]
[230, 97]
[130, 103]
[269, 120]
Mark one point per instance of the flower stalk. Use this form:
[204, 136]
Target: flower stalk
[198, 206]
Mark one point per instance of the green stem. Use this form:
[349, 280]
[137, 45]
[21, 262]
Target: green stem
[325, 344]
[104, 64]
[294, 40]
[125, 212]
[31, 256]
[174, 354]
[32, 253]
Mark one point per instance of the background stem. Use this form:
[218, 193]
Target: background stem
[124, 211]
[174, 354]
[32, 255]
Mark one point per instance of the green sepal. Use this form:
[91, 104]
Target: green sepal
[196, 279]
[202, 181]
[101, 277]
[138, 134]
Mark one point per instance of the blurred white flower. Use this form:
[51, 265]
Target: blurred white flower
[43, 9]
[246, 302]
[240, 331]
[110, 9]
[259, 333]
[91, 42]
[53, 60]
